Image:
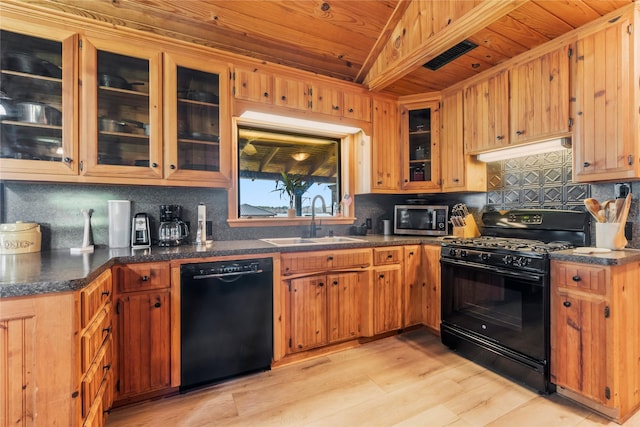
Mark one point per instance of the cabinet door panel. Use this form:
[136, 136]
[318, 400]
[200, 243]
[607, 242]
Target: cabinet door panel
[414, 284]
[39, 145]
[387, 298]
[603, 81]
[579, 357]
[121, 89]
[291, 93]
[486, 114]
[343, 310]
[326, 100]
[308, 312]
[431, 305]
[540, 97]
[253, 85]
[385, 166]
[420, 136]
[196, 118]
[144, 342]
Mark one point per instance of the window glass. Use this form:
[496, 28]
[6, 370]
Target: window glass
[268, 158]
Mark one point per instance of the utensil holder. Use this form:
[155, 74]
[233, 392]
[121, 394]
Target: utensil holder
[605, 234]
[470, 229]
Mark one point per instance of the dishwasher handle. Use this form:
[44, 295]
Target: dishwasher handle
[227, 277]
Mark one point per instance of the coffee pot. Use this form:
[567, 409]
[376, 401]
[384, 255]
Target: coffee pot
[172, 229]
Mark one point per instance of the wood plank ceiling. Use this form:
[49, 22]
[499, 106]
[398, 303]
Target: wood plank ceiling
[354, 40]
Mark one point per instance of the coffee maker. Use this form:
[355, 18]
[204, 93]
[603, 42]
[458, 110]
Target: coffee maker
[172, 229]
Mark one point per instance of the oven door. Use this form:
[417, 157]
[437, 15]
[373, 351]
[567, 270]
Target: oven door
[505, 306]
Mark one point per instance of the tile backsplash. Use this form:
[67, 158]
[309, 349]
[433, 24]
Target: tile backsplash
[538, 181]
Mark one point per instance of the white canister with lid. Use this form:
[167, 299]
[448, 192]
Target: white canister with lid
[20, 238]
[119, 223]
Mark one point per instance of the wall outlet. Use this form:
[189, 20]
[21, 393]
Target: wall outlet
[368, 223]
[621, 190]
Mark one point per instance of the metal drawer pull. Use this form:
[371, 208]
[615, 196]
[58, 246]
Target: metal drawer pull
[567, 304]
[145, 278]
[576, 278]
[105, 293]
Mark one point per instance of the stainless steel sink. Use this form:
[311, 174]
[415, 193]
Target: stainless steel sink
[303, 241]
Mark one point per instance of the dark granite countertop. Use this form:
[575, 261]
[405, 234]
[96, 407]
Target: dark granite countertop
[608, 258]
[60, 271]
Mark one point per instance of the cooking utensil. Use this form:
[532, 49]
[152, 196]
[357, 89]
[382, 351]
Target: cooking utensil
[201, 96]
[37, 112]
[111, 125]
[112, 80]
[619, 205]
[30, 64]
[619, 240]
[593, 206]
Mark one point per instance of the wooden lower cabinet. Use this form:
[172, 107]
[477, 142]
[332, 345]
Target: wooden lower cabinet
[414, 285]
[143, 332]
[387, 298]
[431, 294]
[595, 325]
[324, 309]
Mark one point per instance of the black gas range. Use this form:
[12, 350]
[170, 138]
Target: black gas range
[495, 290]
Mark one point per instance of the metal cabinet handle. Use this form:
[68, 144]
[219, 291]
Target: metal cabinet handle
[154, 165]
[351, 110]
[283, 98]
[499, 137]
[144, 278]
[567, 304]
[329, 258]
[389, 256]
[107, 329]
[105, 293]
[266, 94]
[381, 276]
[172, 166]
[67, 160]
[519, 132]
[576, 278]
[586, 164]
[335, 282]
[157, 304]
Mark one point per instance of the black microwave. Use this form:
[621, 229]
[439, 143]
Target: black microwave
[422, 220]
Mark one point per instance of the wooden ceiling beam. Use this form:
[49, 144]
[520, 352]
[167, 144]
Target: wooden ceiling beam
[432, 45]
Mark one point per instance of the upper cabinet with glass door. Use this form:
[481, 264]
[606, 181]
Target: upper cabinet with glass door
[37, 101]
[121, 89]
[196, 119]
[420, 151]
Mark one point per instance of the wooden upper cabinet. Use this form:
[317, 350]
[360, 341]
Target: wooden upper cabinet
[253, 84]
[356, 106]
[121, 96]
[32, 145]
[385, 164]
[607, 101]
[197, 136]
[326, 99]
[460, 171]
[292, 93]
[420, 145]
[539, 103]
[486, 113]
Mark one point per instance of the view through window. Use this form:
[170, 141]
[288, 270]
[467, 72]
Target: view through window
[268, 160]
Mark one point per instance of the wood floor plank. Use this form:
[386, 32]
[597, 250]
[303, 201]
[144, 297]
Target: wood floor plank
[404, 380]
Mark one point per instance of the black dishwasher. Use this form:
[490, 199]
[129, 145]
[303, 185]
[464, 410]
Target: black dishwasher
[226, 320]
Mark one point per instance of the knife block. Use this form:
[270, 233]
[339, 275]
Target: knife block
[470, 229]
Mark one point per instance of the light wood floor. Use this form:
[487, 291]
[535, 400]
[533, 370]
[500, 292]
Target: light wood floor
[404, 380]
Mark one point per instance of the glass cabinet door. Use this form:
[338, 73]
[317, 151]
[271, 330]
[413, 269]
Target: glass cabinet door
[121, 87]
[421, 151]
[195, 104]
[36, 103]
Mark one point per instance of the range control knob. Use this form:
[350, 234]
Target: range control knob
[463, 253]
[453, 252]
[485, 256]
[508, 259]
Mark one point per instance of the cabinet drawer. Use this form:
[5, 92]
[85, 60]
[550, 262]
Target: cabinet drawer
[95, 335]
[325, 260]
[592, 279]
[96, 375]
[97, 415]
[95, 296]
[392, 255]
[142, 277]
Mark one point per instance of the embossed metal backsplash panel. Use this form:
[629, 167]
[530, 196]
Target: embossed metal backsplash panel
[538, 181]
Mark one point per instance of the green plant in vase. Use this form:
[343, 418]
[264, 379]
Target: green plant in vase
[294, 186]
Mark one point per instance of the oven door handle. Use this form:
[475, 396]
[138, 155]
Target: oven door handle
[503, 272]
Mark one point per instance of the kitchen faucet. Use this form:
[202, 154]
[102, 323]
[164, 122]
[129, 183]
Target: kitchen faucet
[313, 228]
